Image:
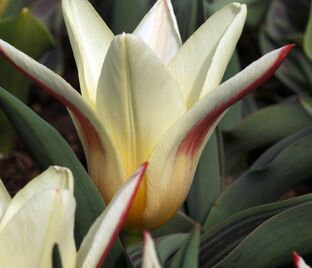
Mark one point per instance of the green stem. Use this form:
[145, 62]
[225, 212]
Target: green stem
[132, 238]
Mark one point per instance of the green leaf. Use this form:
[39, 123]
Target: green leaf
[262, 127]
[49, 148]
[190, 15]
[166, 246]
[179, 223]
[56, 257]
[307, 38]
[207, 182]
[28, 35]
[187, 256]
[276, 171]
[283, 26]
[290, 72]
[271, 244]
[217, 242]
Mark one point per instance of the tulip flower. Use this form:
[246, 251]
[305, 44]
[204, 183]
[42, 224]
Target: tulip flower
[146, 97]
[41, 215]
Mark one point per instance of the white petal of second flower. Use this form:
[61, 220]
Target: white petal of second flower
[45, 219]
[53, 178]
[104, 231]
[159, 29]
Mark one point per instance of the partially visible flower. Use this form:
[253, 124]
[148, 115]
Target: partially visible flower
[41, 215]
[298, 261]
[150, 259]
[145, 97]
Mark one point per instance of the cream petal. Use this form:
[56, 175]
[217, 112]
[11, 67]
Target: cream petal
[103, 233]
[47, 218]
[159, 29]
[173, 162]
[223, 54]
[137, 101]
[101, 155]
[150, 259]
[90, 39]
[192, 62]
[54, 177]
[5, 199]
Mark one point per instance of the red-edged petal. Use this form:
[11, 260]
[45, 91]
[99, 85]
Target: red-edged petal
[103, 233]
[298, 261]
[96, 142]
[175, 157]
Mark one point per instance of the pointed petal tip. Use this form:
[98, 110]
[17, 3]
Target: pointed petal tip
[286, 49]
[296, 258]
[147, 236]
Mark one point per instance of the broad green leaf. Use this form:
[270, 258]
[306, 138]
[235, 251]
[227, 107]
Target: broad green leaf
[190, 15]
[267, 126]
[276, 171]
[207, 182]
[166, 246]
[28, 35]
[179, 223]
[282, 26]
[187, 255]
[217, 242]
[272, 242]
[307, 39]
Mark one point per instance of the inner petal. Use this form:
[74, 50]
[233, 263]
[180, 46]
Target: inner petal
[137, 100]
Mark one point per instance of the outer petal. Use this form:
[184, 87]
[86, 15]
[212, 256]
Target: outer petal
[5, 199]
[137, 101]
[150, 259]
[45, 219]
[101, 155]
[159, 29]
[208, 50]
[298, 261]
[90, 39]
[53, 178]
[103, 233]
[173, 162]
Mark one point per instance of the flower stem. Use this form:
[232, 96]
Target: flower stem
[132, 237]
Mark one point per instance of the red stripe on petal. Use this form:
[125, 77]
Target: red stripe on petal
[91, 136]
[296, 258]
[124, 215]
[196, 136]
